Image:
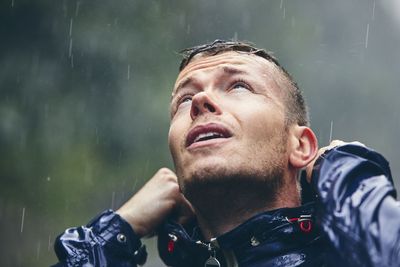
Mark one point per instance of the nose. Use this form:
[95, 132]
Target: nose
[202, 104]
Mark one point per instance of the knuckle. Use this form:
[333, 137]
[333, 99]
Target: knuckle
[167, 175]
[175, 188]
[167, 172]
[337, 142]
[164, 170]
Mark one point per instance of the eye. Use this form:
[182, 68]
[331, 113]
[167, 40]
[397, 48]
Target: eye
[184, 100]
[240, 85]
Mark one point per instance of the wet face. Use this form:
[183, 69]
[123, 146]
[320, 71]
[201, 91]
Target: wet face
[228, 120]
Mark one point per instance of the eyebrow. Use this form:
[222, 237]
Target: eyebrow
[182, 84]
[232, 71]
[226, 70]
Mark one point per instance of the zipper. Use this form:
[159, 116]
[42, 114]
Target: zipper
[212, 248]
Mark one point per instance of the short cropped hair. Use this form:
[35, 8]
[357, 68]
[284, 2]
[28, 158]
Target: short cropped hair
[296, 108]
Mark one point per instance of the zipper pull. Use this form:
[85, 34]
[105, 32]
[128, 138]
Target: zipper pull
[212, 260]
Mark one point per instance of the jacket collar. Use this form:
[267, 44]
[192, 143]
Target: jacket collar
[268, 226]
[268, 233]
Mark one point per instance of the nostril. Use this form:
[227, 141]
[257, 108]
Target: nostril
[209, 107]
[195, 111]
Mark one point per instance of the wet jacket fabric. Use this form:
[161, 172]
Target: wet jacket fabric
[354, 220]
[357, 208]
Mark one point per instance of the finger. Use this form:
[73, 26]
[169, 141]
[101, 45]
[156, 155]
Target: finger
[335, 143]
[166, 173]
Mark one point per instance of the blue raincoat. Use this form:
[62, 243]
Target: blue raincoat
[351, 218]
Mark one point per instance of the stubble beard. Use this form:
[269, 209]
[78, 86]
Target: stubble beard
[257, 182]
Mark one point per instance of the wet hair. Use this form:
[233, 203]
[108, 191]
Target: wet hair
[296, 108]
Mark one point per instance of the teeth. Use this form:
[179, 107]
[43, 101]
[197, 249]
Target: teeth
[207, 135]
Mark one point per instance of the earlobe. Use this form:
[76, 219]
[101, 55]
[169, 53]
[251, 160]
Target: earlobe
[304, 147]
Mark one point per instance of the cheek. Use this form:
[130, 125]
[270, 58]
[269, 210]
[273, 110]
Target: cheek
[263, 126]
[261, 116]
[175, 137]
[172, 140]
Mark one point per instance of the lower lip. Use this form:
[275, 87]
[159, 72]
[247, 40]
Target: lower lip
[208, 143]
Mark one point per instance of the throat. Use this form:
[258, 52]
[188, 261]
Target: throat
[221, 208]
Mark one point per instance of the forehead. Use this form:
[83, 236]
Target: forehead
[243, 61]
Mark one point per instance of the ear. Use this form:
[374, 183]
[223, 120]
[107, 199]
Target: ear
[303, 146]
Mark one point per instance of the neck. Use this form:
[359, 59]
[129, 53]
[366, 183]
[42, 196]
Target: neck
[221, 208]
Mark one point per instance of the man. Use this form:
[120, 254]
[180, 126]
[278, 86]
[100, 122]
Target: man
[239, 137]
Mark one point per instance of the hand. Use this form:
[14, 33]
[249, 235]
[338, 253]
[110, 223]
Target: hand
[157, 200]
[310, 166]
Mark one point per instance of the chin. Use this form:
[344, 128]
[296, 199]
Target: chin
[210, 182]
[205, 170]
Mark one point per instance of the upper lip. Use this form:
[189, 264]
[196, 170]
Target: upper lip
[210, 128]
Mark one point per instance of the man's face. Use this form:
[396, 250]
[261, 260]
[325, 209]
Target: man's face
[227, 119]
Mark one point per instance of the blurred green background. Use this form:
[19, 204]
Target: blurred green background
[85, 86]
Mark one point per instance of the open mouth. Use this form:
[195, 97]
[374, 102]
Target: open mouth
[206, 132]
